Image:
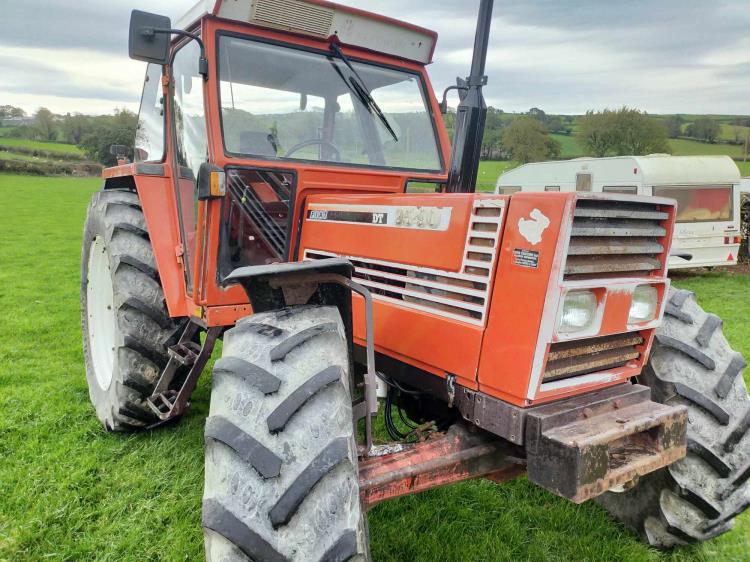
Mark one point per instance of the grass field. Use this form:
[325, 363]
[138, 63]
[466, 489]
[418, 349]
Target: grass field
[570, 147]
[70, 492]
[7, 155]
[686, 147]
[56, 147]
[489, 171]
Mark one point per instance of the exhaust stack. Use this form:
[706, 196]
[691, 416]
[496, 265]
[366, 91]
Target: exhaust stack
[471, 113]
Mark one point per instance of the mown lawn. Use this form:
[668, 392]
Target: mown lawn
[68, 491]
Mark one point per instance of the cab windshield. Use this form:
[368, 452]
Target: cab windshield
[282, 103]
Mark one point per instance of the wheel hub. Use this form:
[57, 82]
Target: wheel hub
[102, 321]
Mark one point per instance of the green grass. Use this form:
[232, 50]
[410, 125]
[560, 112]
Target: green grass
[744, 168]
[57, 147]
[570, 147]
[6, 155]
[70, 492]
[727, 131]
[685, 147]
[489, 171]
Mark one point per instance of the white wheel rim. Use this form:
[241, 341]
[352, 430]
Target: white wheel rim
[102, 321]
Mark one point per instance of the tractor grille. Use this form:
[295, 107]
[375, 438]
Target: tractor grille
[461, 295]
[592, 355]
[615, 239]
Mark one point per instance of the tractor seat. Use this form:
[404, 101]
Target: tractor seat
[258, 143]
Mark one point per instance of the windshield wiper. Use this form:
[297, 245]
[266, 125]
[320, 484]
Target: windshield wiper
[357, 85]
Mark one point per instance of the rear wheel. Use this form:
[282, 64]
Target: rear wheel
[126, 326]
[698, 497]
[281, 458]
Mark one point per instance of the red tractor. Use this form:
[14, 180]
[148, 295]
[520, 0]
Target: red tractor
[293, 192]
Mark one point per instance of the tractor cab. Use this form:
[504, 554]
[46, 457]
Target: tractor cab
[281, 106]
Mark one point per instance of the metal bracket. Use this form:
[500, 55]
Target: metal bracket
[167, 404]
[450, 387]
[369, 407]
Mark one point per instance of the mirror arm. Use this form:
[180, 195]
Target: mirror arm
[202, 61]
[444, 103]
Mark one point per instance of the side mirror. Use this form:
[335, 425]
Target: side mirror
[212, 181]
[118, 151]
[144, 43]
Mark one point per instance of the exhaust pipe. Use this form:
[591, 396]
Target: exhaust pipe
[471, 114]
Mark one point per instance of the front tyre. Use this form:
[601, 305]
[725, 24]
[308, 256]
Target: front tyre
[698, 497]
[281, 457]
[126, 326]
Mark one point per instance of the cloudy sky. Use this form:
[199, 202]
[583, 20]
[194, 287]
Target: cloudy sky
[565, 56]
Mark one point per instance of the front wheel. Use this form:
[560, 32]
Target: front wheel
[281, 458]
[698, 497]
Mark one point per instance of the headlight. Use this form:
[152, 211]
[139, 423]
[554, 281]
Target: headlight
[578, 312]
[643, 305]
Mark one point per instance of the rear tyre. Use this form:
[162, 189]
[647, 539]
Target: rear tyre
[126, 326]
[281, 458]
[696, 498]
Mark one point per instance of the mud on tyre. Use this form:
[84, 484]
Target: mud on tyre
[698, 497]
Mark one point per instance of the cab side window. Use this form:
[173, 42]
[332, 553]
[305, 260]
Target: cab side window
[149, 136]
[190, 145]
[191, 142]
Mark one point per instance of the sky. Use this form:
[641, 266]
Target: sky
[564, 56]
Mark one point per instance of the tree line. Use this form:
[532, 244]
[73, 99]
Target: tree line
[520, 137]
[93, 133]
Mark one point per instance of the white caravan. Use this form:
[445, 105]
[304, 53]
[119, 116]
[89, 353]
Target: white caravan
[707, 190]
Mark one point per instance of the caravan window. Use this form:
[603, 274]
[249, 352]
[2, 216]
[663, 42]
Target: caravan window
[700, 204]
[583, 182]
[506, 190]
[551, 188]
[629, 189]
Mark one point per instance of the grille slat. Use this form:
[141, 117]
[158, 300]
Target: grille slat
[616, 227]
[615, 238]
[613, 245]
[634, 213]
[579, 265]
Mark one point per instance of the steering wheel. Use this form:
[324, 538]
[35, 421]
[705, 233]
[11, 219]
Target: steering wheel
[313, 142]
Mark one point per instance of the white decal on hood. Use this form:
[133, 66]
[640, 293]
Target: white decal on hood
[532, 228]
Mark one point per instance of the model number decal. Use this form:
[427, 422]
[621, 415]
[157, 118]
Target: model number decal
[426, 218]
[318, 215]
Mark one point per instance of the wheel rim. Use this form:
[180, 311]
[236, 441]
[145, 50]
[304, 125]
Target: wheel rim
[102, 322]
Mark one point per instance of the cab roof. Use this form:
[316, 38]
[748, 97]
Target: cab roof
[323, 19]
